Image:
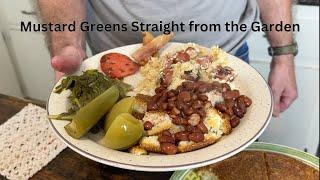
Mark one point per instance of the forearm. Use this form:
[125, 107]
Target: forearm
[63, 11]
[272, 12]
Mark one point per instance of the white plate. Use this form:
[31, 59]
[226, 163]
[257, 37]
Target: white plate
[250, 83]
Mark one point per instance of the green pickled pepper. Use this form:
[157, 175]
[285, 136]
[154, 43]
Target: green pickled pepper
[87, 116]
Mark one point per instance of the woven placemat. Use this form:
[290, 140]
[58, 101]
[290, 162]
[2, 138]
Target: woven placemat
[27, 143]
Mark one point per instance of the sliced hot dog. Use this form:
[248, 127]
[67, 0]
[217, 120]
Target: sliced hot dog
[143, 54]
[116, 65]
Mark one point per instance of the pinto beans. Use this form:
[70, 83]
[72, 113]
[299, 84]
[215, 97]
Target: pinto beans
[175, 111]
[241, 105]
[166, 139]
[188, 111]
[203, 128]
[233, 94]
[181, 136]
[168, 148]
[202, 97]
[166, 133]
[171, 105]
[171, 94]
[229, 104]
[188, 85]
[238, 112]
[197, 104]
[203, 88]
[184, 96]
[163, 106]
[163, 97]
[229, 111]
[179, 121]
[225, 87]
[234, 121]
[187, 106]
[188, 77]
[160, 89]
[215, 85]
[221, 106]
[246, 100]
[191, 129]
[174, 98]
[179, 89]
[196, 137]
[181, 105]
[147, 125]
[152, 105]
[194, 119]
[172, 116]
[194, 96]
[201, 111]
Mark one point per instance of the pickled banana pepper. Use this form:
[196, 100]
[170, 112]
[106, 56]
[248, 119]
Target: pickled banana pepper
[87, 116]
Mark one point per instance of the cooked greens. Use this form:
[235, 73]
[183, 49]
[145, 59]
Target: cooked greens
[86, 87]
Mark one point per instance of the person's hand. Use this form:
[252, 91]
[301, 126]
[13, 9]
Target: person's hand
[282, 81]
[68, 60]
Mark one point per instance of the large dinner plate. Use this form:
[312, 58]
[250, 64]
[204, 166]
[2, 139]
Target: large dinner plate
[248, 81]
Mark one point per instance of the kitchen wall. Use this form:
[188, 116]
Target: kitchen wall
[25, 70]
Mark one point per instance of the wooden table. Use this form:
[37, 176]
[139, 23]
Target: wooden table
[68, 164]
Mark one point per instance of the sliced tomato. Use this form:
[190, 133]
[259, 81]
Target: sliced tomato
[116, 65]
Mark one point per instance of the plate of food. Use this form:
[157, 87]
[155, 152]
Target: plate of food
[160, 106]
[259, 161]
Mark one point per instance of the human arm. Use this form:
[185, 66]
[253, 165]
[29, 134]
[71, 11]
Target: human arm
[282, 72]
[67, 48]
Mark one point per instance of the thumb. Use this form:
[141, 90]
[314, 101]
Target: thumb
[68, 60]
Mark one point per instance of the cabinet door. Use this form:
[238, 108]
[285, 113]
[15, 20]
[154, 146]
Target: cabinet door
[9, 84]
[16, 11]
[298, 126]
[32, 62]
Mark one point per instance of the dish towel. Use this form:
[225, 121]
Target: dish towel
[27, 143]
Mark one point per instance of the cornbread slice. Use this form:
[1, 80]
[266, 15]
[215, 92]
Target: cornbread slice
[216, 122]
[150, 144]
[140, 103]
[284, 167]
[217, 126]
[243, 166]
[137, 150]
[226, 126]
[186, 146]
[176, 128]
[161, 121]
